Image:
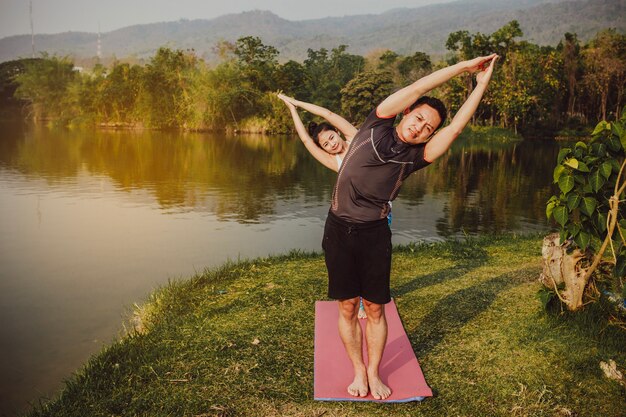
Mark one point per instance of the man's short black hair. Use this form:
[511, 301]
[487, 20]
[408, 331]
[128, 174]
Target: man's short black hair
[436, 104]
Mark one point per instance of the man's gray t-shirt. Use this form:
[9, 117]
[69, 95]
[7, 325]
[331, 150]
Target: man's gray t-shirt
[373, 170]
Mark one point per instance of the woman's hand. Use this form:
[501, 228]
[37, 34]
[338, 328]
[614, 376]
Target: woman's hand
[478, 63]
[483, 76]
[290, 102]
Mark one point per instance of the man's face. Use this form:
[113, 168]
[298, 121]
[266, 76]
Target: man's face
[417, 125]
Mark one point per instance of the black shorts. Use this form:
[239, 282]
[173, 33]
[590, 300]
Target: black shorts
[358, 259]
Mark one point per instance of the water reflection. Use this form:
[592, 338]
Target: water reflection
[491, 190]
[93, 221]
[238, 177]
[487, 187]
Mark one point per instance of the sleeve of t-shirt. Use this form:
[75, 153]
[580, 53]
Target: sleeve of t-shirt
[374, 121]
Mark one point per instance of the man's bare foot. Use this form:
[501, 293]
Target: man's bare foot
[379, 390]
[358, 388]
[362, 314]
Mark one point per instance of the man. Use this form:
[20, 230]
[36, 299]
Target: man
[357, 239]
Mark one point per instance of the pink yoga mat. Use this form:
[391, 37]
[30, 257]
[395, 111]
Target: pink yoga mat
[333, 373]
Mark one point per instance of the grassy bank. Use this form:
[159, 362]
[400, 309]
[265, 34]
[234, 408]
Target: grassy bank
[490, 134]
[238, 341]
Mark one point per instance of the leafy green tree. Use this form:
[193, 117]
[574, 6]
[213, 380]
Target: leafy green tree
[257, 61]
[528, 85]
[387, 59]
[8, 73]
[164, 94]
[364, 92]
[466, 46]
[120, 92]
[44, 84]
[413, 67]
[229, 96]
[502, 41]
[328, 73]
[84, 97]
[605, 70]
[572, 68]
[461, 42]
[291, 78]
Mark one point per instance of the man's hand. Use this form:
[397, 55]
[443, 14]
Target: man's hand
[483, 77]
[478, 63]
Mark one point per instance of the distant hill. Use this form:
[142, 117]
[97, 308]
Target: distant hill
[403, 30]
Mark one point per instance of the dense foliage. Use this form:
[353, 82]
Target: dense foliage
[590, 207]
[570, 85]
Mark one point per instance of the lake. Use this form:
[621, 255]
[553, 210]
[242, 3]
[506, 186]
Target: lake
[93, 221]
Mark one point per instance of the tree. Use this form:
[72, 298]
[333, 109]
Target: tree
[44, 83]
[413, 67]
[328, 73]
[605, 69]
[8, 73]
[461, 42]
[528, 85]
[164, 95]
[257, 62]
[502, 40]
[570, 54]
[120, 92]
[387, 59]
[291, 78]
[364, 92]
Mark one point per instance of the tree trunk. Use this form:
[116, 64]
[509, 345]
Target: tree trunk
[559, 267]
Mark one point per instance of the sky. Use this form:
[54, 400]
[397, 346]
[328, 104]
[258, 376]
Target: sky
[55, 16]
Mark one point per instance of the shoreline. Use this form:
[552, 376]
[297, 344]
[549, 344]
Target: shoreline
[478, 131]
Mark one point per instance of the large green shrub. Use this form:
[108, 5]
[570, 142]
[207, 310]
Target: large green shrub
[590, 207]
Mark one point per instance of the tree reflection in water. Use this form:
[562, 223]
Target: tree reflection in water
[487, 187]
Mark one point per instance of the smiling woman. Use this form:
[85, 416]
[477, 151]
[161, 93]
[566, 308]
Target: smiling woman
[323, 141]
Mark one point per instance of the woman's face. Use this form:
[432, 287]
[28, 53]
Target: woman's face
[331, 142]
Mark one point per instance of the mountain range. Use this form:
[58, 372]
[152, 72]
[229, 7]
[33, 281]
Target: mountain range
[403, 30]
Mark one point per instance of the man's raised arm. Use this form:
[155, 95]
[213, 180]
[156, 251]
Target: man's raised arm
[439, 144]
[402, 99]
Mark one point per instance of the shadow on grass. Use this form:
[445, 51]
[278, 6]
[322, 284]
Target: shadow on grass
[435, 278]
[467, 257]
[592, 322]
[452, 312]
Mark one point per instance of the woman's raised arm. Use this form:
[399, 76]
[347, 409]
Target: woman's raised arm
[334, 119]
[326, 159]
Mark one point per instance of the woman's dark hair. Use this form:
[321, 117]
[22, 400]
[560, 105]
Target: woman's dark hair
[315, 130]
[436, 104]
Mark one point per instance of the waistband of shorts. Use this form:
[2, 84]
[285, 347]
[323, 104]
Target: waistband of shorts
[356, 225]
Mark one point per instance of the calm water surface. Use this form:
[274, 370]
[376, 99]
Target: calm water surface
[91, 222]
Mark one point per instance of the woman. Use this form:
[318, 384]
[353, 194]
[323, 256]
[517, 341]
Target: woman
[323, 141]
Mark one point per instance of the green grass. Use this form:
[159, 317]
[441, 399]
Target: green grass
[490, 134]
[470, 310]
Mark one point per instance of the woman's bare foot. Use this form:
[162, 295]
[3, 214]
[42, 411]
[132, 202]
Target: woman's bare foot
[379, 390]
[358, 388]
